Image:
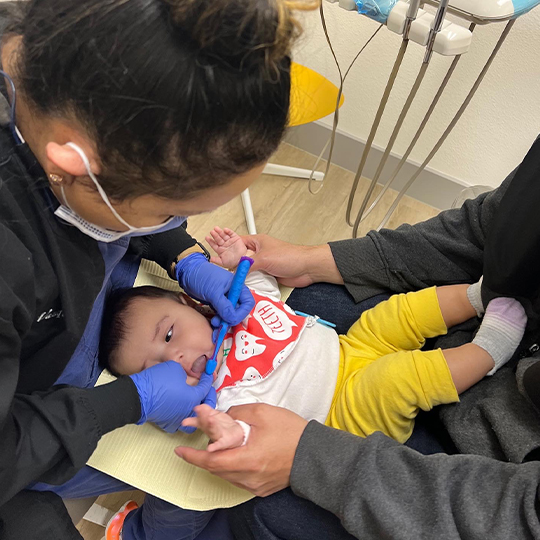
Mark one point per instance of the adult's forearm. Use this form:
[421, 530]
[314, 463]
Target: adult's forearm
[293, 265]
[379, 488]
[320, 264]
[50, 435]
[446, 249]
[163, 248]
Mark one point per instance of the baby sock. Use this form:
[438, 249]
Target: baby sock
[501, 330]
[474, 294]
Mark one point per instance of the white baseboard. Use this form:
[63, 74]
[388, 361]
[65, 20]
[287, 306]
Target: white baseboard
[431, 187]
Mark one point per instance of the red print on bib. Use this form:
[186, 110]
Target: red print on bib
[260, 343]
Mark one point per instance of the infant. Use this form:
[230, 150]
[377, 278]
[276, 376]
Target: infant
[374, 378]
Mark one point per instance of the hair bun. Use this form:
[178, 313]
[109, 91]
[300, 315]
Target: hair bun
[240, 32]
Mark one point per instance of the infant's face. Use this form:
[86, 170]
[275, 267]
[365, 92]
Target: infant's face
[161, 329]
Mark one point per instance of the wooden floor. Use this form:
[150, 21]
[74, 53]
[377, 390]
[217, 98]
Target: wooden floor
[284, 208]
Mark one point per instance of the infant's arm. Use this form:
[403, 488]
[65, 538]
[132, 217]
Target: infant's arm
[224, 431]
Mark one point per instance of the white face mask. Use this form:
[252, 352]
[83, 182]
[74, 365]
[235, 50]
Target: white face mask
[101, 234]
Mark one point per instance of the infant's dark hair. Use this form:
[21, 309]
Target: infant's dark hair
[113, 326]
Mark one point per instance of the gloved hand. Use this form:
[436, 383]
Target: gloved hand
[209, 283]
[166, 398]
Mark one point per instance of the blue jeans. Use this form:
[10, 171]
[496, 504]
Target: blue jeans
[284, 516]
[154, 520]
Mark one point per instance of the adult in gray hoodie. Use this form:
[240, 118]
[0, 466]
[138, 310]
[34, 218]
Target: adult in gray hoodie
[342, 486]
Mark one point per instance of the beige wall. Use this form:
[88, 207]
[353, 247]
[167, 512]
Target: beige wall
[495, 132]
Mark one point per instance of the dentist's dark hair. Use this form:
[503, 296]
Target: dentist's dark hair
[177, 95]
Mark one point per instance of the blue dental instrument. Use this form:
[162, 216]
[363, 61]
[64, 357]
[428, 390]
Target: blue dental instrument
[317, 318]
[233, 295]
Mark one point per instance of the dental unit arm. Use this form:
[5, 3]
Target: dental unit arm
[476, 11]
[436, 34]
[452, 39]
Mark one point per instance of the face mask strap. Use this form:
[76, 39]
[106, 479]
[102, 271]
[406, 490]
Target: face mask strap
[101, 191]
[64, 197]
[86, 225]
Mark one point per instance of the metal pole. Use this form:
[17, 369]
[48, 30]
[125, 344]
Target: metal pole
[419, 131]
[437, 25]
[454, 121]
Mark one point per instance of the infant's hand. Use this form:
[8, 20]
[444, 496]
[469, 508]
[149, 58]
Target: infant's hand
[224, 432]
[228, 246]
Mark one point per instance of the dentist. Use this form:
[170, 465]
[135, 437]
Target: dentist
[117, 120]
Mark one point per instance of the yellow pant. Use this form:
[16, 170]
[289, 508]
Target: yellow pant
[383, 378]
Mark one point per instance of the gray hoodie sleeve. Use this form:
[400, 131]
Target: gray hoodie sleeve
[443, 250]
[381, 489]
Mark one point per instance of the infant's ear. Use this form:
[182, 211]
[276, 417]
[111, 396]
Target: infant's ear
[205, 310]
[184, 299]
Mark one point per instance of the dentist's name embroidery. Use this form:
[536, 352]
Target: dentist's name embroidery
[46, 315]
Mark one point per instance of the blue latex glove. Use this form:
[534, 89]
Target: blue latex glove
[210, 283]
[166, 398]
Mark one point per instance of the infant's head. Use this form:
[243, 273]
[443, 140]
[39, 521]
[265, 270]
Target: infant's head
[147, 325]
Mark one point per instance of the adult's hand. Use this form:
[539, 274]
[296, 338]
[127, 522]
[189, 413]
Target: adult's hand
[210, 283]
[263, 466]
[293, 265]
[167, 399]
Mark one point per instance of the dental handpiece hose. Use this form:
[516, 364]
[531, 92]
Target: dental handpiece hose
[412, 12]
[233, 295]
[437, 26]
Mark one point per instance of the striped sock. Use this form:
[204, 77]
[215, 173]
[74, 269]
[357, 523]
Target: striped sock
[501, 330]
[474, 294]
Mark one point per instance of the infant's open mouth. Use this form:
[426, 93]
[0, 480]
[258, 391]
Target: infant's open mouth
[199, 364]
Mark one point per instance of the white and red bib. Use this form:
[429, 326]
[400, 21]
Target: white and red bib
[260, 343]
